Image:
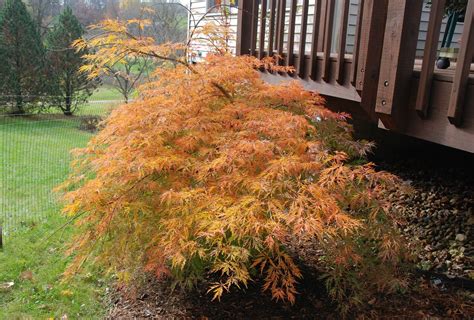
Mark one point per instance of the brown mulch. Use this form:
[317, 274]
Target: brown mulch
[157, 301]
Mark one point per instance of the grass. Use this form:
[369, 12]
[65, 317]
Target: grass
[34, 158]
[106, 93]
[100, 102]
[35, 264]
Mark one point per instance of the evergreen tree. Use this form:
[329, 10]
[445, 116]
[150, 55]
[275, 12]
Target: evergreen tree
[69, 85]
[21, 55]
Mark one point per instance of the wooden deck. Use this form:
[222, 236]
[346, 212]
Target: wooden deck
[381, 80]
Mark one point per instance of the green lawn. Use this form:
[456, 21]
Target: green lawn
[101, 102]
[34, 157]
[106, 93]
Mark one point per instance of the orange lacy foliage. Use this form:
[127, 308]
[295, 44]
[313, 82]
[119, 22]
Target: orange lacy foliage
[214, 171]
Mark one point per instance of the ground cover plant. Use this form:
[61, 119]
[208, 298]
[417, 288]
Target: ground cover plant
[213, 171]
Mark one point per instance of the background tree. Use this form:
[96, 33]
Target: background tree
[68, 85]
[43, 13]
[167, 24]
[128, 74]
[168, 19]
[21, 54]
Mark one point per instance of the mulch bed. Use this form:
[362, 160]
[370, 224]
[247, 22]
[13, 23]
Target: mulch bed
[155, 300]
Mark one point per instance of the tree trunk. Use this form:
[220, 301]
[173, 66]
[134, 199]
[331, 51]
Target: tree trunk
[68, 110]
[19, 101]
[18, 91]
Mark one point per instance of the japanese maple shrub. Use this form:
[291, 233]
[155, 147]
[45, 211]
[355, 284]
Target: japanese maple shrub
[213, 171]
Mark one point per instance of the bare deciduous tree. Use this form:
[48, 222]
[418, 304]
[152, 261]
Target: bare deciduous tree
[169, 21]
[168, 24]
[128, 74]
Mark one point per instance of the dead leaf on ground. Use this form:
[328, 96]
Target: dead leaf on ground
[26, 275]
[67, 293]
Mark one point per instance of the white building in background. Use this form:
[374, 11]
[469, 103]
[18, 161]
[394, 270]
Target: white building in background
[199, 8]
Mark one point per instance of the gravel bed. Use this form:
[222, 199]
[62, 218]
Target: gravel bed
[439, 210]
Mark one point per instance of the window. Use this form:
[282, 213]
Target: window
[215, 5]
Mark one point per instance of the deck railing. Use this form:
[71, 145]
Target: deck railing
[312, 36]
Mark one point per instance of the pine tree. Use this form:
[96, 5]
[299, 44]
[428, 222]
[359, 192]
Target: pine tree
[68, 84]
[21, 55]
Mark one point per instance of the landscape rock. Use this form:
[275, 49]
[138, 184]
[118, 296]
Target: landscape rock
[439, 218]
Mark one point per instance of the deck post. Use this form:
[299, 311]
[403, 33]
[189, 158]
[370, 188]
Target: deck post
[369, 52]
[244, 28]
[396, 69]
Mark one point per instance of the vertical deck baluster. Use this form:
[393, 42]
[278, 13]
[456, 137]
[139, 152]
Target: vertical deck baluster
[263, 22]
[278, 24]
[461, 76]
[291, 33]
[329, 21]
[302, 46]
[429, 57]
[315, 40]
[271, 27]
[342, 40]
[253, 30]
[244, 23]
[355, 55]
[281, 30]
